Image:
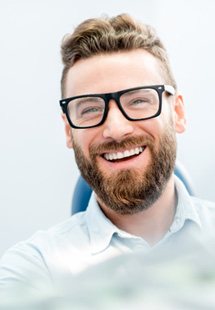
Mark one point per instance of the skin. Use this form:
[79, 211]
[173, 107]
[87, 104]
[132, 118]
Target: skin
[113, 72]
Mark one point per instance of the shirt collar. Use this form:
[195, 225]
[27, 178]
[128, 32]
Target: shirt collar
[185, 207]
[101, 229]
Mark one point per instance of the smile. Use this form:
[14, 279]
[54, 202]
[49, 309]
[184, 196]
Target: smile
[124, 154]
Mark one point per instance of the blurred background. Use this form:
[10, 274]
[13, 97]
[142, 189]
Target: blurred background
[37, 171]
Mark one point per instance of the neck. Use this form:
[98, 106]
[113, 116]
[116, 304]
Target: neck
[151, 224]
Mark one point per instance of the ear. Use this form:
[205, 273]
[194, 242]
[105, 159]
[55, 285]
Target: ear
[179, 114]
[68, 132]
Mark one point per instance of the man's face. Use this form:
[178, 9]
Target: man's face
[148, 148]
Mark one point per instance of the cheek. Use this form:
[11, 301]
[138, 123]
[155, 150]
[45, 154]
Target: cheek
[83, 139]
[154, 127]
[166, 117]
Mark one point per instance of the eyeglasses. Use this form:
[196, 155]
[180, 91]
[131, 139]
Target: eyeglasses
[139, 103]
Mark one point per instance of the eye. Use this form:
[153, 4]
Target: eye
[87, 107]
[91, 110]
[137, 101]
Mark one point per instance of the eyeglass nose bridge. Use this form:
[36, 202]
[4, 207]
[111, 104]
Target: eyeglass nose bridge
[116, 97]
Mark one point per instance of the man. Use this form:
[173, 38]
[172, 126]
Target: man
[121, 110]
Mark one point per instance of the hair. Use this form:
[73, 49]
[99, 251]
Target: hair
[108, 35]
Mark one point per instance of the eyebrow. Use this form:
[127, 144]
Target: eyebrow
[82, 100]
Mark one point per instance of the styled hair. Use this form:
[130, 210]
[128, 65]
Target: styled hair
[107, 35]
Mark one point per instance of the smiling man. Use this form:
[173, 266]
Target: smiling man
[121, 111]
[124, 146]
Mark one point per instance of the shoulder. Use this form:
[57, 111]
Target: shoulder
[46, 253]
[65, 230]
[58, 236]
[76, 222]
[203, 205]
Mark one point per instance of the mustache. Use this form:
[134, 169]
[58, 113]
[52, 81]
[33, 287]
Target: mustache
[130, 142]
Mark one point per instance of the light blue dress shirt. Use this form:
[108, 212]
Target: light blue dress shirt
[89, 237]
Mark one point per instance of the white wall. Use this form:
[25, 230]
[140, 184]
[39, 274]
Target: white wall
[37, 172]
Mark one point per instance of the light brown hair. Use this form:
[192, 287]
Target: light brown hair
[107, 35]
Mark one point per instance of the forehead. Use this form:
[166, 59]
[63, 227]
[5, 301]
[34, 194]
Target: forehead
[113, 72]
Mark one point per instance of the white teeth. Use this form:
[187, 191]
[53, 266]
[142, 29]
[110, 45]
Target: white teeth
[111, 156]
[136, 150]
[127, 153]
[120, 155]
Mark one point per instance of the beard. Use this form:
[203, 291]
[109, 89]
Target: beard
[130, 190]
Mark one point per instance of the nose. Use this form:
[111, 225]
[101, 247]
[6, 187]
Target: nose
[116, 126]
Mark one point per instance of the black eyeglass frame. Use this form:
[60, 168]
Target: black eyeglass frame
[116, 97]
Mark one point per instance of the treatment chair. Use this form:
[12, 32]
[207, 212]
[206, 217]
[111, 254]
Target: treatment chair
[82, 191]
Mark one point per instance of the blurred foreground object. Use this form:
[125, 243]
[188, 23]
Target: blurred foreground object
[161, 280]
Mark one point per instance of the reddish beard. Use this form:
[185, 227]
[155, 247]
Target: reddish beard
[130, 191]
